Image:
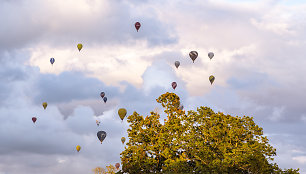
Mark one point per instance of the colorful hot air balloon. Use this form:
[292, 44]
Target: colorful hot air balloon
[137, 26]
[102, 94]
[177, 64]
[78, 148]
[52, 60]
[104, 99]
[45, 104]
[101, 135]
[193, 55]
[210, 55]
[34, 119]
[122, 113]
[79, 46]
[98, 122]
[211, 79]
[123, 140]
[117, 165]
[174, 85]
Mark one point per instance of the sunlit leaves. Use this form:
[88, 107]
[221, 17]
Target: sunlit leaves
[195, 142]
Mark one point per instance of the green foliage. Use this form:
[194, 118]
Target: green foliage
[196, 142]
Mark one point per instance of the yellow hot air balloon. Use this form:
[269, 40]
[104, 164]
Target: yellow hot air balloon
[123, 140]
[80, 46]
[78, 148]
[45, 104]
[211, 79]
[122, 113]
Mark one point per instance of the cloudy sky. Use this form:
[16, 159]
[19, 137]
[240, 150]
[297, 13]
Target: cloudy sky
[259, 65]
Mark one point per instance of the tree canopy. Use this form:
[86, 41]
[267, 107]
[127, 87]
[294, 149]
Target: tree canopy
[199, 141]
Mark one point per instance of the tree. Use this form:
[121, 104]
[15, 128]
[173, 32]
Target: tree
[98, 170]
[196, 142]
[109, 170]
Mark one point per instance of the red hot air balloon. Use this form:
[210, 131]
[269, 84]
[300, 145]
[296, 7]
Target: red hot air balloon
[34, 119]
[137, 26]
[174, 85]
[117, 165]
[102, 94]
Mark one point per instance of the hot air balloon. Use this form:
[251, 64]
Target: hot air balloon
[174, 85]
[122, 113]
[45, 104]
[181, 107]
[34, 119]
[117, 165]
[102, 94]
[177, 64]
[78, 148]
[52, 60]
[137, 26]
[211, 79]
[79, 46]
[104, 99]
[123, 140]
[210, 55]
[98, 122]
[193, 55]
[101, 135]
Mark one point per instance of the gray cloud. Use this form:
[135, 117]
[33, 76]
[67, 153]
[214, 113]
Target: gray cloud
[267, 82]
[45, 23]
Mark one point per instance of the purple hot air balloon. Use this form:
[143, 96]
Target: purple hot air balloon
[137, 26]
[174, 85]
[34, 119]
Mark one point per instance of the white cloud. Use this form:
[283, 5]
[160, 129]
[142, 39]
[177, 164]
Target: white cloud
[300, 159]
[258, 64]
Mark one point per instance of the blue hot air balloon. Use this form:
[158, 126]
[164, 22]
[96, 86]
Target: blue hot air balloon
[104, 99]
[52, 60]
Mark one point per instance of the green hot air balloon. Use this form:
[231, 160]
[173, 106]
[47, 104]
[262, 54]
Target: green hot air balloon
[122, 113]
[80, 46]
[211, 79]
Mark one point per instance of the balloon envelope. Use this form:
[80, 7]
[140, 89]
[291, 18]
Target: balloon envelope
[123, 140]
[78, 148]
[211, 79]
[193, 55]
[122, 113]
[79, 46]
[101, 135]
[45, 104]
[104, 99]
[210, 55]
[177, 64]
[181, 107]
[174, 85]
[52, 60]
[98, 122]
[102, 94]
[117, 165]
[137, 26]
[34, 119]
